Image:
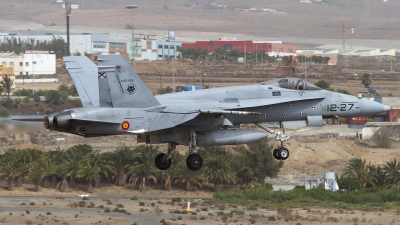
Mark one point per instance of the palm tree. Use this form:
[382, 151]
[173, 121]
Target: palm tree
[190, 178]
[377, 177]
[48, 166]
[26, 159]
[89, 170]
[255, 163]
[36, 176]
[10, 166]
[219, 169]
[122, 158]
[73, 156]
[6, 83]
[172, 171]
[143, 167]
[57, 157]
[92, 166]
[392, 169]
[356, 168]
[64, 172]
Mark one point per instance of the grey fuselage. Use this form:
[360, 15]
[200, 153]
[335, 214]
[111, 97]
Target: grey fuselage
[272, 102]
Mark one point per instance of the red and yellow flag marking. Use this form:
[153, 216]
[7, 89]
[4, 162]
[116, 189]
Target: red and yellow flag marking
[125, 125]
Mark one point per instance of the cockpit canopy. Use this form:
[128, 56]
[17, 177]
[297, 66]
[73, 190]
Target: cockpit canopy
[291, 83]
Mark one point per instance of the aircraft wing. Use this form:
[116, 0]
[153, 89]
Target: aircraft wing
[170, 117]
[168, 120]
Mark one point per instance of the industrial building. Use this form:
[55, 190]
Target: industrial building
[272, 48]
[144, 47]
[355, 55]
[168, 48]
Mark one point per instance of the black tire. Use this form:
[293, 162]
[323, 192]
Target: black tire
[276, 153]
[160, 164]
[283, 153]
[194, 162]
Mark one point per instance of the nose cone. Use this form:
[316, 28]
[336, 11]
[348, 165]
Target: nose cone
[369, 107]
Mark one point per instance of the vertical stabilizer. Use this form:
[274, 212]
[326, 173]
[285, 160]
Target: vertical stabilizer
[84, 74]
[127, 90]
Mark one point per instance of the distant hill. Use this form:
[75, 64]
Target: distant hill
[286, 18]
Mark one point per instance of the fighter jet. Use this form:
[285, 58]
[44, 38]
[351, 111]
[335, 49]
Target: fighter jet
[116, 101]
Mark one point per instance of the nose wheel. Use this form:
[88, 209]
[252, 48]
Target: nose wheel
[194, 161]
[280, 152]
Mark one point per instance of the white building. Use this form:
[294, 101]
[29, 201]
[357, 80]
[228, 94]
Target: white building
[37, 63]
[82, 43]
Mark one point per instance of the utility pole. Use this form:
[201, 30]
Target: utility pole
[245, 52]
[33, 74]
[344, 36]
[131, 7]
[67, 14]
[256, 54]
[173, 77]
[391, 64]
[305, 70]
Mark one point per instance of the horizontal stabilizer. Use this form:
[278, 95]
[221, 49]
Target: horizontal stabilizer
[84, 73]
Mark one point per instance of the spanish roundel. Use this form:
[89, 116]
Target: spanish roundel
[125, 125]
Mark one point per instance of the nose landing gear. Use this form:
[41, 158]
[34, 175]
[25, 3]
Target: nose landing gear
[194, 161]
[280, 152]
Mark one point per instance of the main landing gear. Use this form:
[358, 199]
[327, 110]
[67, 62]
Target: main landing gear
[193, 162]
[280, 152]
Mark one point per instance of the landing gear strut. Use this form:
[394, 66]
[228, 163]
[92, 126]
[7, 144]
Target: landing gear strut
[280, 152]
[194, 161]
[163, 161]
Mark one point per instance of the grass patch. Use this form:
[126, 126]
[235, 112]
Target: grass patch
[366, 199]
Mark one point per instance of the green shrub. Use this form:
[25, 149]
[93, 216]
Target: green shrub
[134, 198]
[36, 98]
[4, 113]
[116, 209]
[26, 100]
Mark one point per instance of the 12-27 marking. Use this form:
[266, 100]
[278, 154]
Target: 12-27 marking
[342, 107]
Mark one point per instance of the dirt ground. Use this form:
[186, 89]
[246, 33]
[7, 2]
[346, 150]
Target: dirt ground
[153, 208]
[291, 18]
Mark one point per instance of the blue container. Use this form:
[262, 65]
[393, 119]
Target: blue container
[372, 90]
[190, 88]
